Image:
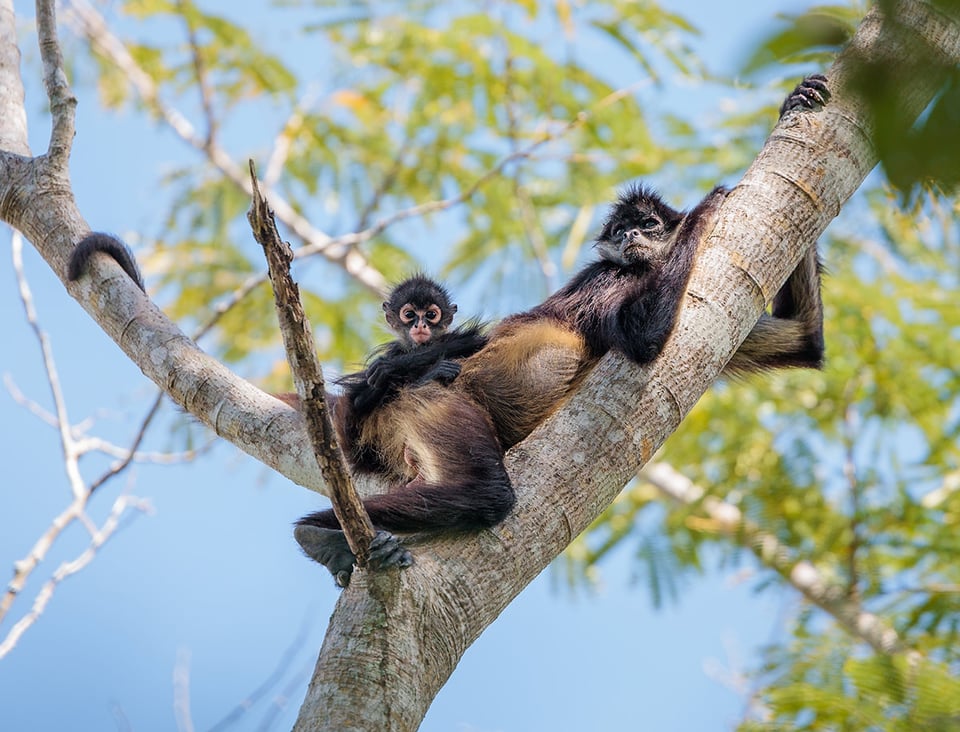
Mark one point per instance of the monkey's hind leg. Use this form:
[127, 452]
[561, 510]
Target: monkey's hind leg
[460, 483]
[792, 336]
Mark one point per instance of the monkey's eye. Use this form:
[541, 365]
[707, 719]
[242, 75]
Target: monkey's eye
[648, 222]
[408, 315]
[432, 315]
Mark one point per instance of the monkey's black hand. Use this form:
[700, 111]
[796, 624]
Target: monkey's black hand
[380, 373]
[366, 399]
[387, 551]
[811, 93]
[444, 372]
[330, 548]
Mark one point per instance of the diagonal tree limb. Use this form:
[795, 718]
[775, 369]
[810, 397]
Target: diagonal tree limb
[384, 659]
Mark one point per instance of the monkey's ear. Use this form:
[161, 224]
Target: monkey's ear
[385, 306]
[453, 308]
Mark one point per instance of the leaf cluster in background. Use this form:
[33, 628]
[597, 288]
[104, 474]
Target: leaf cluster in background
[855, 470]
[409, 103]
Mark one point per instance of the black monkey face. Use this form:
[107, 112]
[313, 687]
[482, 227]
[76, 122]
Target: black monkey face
[639, 229]
[418, 310]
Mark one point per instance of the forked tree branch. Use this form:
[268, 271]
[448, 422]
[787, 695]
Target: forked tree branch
[76, 511]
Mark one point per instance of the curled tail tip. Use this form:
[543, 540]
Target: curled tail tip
[109, 245]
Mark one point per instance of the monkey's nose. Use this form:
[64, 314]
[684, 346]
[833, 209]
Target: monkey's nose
[420, 335]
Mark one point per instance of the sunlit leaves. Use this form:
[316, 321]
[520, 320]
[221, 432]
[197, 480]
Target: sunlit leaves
[811, 37]
[912, 153]
[504, 113]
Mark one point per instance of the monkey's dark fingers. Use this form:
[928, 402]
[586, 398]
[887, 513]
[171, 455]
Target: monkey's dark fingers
[444, 372]
[380, 374]
[811, 93]
[366, 400]
[387, 551]
[328, 547]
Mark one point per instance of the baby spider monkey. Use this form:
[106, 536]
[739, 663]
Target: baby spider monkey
[420, 312]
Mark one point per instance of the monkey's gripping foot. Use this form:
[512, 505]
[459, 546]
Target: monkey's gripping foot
[387, 551]
[329, 547]
[811, 93]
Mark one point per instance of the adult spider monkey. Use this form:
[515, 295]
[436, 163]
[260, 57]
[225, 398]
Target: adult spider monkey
[442, 448]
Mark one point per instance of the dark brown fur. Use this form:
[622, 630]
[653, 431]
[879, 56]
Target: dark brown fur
[443, 447]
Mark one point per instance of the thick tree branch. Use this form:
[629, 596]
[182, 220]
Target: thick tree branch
[810, 165]
[13, 121]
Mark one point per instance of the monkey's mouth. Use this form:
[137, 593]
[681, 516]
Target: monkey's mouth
[420, 336]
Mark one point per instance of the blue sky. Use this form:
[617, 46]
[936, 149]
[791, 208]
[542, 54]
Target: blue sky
[213, 573]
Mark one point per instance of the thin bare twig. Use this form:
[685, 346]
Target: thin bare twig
[72, 447]
[181, 691]
[527, 216]
[86, 444]
[203, 81]
[269, 683]
[66, 569]
[26, 298]
[308, 376]
[802, 575]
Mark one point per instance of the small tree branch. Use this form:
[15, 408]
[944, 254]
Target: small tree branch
[308, 376]
[802, 575]
[63, 103]
[66, 569]
[199, 68]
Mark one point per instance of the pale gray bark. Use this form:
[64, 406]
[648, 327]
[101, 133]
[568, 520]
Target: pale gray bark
[395, 637]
